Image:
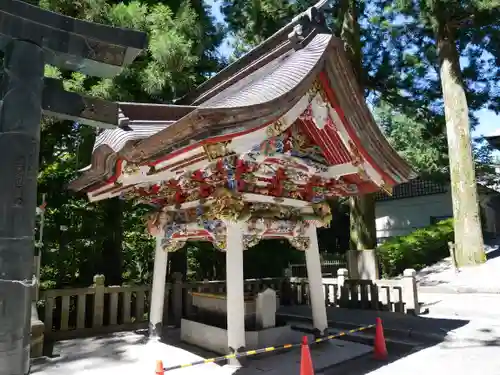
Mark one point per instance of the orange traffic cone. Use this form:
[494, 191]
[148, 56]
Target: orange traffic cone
[306, 365]
[159, 368]
[379, 348]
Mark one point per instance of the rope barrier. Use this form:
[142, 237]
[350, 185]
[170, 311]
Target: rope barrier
[25, 283]
[267, 350]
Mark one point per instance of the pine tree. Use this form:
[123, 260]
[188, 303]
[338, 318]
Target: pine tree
[109, 237]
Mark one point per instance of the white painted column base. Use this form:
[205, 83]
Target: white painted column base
[158, 291]
[316, 290]
[235, 290]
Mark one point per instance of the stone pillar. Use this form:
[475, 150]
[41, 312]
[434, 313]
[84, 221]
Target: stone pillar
[235, 290]
[266, 309]
[158, 291]
[342, 275]
[20, 112]
[410, 292]
[316, 290]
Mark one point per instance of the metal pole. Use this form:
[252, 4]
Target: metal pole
[20, 114]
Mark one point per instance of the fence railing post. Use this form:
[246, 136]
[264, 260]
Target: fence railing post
[410, 292]
[37, 333]
[99, 288]
[342, 276]
[177, 297]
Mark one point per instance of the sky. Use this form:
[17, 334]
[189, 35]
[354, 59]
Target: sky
[489, 122]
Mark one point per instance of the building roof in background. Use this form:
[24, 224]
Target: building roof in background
[414, 188]
[419, 187]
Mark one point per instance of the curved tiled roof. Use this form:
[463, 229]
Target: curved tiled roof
[273, 80]
[116, 139]
[245, 96]
[259, 97]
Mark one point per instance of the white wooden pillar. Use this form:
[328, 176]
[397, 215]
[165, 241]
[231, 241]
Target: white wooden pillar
[316, 290]
[235, 289]
[158, 291]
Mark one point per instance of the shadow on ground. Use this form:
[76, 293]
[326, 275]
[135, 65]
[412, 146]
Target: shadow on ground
[91, 352]
[365, 364]
[405, 335]
[397, 352]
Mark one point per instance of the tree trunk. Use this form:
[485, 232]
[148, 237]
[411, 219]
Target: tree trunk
[362, 226]
[112, 249]
[468, 235]
[363, 233]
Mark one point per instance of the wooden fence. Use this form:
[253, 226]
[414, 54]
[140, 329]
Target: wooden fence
[388, 295]
[329, 268]
[70, 313]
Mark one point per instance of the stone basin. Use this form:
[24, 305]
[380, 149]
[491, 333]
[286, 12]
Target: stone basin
[216, 303]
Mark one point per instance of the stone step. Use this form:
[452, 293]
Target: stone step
[364, 337]
[417, 335]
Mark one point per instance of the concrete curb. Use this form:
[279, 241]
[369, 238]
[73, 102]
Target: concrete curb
[364, 337]
[391, 333]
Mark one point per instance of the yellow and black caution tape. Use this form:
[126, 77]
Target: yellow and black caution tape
[268, 349]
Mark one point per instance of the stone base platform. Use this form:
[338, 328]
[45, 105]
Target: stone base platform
[215, 338]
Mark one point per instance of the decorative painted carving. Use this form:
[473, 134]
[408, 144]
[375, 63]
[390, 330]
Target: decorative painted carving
[300, 243]
[130, 168]
[357, 158]
[215, 151]
[262, 220]
[286, 166]
[220, 243]
[362, 173]
[172, 245]
[314, 89]
[322, 215]
[250, 240]
[157, 221]
[330, 123]
[276, 128]
[317, 88]
[294, 142]
[317, 112]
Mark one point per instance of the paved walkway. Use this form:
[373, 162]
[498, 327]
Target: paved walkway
[442, 277]
[472, 349]
[463, 306]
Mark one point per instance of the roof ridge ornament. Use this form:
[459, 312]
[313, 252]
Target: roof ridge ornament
[316, 20]
[311, 20]
[123, 121]
[296, 37]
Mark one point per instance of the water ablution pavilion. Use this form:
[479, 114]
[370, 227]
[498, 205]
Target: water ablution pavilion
[254, 153]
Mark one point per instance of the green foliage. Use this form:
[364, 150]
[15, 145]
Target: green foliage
[399, 72]
[407, 136]
[416, 250]
[108, 237]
